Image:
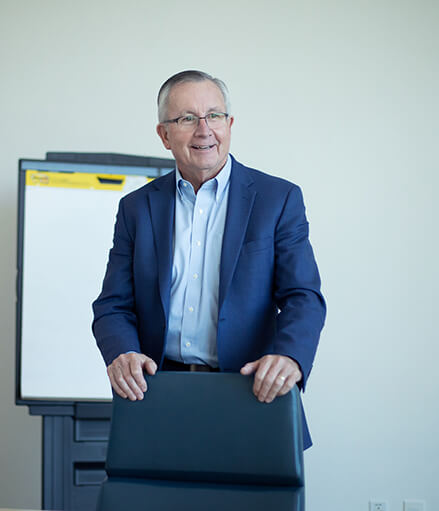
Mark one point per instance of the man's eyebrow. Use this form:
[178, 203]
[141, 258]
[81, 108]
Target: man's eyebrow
[191, 112]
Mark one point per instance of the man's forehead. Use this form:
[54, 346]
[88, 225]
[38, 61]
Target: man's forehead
[196, 94]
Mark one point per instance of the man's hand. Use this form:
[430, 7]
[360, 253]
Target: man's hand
[275, 376]
[126, 374]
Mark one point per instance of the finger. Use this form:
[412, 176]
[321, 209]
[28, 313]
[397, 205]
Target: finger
[288, 385]
[137, 373]
[261, 376]
[278, 384]
[132, 384]
[250, 367]
[126, 382]
[296, 371]
[150, 366]
[116, 387]
[118, 381]
[287, 377]
[126, 370]
[273, 381]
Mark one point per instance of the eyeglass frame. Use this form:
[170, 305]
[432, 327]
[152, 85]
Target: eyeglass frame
[169, 121]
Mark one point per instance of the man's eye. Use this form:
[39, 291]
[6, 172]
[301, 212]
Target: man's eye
[214, 116]
[187, 119]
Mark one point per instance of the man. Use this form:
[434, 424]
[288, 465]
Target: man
[211, 267]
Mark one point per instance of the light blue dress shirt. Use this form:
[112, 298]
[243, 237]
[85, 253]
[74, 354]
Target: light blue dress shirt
[198, 236]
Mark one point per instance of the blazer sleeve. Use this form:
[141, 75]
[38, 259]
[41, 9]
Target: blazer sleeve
[115, 324]
[296, 287]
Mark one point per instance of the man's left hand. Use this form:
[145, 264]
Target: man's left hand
[275, 376]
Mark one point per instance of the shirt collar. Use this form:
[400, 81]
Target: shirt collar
[221, 179]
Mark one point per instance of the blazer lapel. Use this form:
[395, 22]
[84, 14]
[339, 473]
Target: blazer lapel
[240, 203]
[162, 210]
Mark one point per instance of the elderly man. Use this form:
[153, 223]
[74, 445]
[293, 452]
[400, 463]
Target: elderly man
[211, 267]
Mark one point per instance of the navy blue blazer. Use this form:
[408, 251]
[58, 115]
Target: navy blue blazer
[269, 292]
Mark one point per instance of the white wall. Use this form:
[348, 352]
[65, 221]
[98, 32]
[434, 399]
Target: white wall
[341, 98]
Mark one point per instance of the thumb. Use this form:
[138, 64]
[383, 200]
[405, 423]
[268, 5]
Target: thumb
[250, 367]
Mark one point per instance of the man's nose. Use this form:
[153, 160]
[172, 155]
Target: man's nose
[202, 127]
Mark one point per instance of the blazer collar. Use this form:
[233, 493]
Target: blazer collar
[239, 207]
[162, 211]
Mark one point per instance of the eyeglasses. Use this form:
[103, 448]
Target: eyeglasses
[190, 121]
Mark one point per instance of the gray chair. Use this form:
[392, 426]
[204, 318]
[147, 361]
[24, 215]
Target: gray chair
[201, 441]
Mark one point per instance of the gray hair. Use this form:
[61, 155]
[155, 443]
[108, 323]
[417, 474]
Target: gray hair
[184, 77]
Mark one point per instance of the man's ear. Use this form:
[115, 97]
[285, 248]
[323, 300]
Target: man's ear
[162, 132]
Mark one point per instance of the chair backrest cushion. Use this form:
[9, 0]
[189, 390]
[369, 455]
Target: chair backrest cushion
[153, 495]
[207, 427]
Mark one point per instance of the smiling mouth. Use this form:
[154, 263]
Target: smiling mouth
[202, 147]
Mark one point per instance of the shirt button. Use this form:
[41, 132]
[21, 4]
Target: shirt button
[185, 184]
[198, 243]
[191, 309]
[195, 275]
[201, 211]
[188, 345]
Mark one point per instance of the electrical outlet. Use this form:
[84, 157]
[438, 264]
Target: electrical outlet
[414, 505]
[377, 505]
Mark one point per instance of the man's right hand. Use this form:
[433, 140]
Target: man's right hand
[126, 374]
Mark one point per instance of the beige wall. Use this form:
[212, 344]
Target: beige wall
[341, 98]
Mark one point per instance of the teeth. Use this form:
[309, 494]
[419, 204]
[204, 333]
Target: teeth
[202, 146]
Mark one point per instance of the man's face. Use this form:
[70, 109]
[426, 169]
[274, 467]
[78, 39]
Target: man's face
[200, 152]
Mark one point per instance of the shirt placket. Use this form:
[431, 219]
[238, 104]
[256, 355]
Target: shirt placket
[192, 301]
